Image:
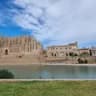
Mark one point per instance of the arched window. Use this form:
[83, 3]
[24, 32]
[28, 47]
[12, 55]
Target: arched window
[55, 54]
[52, 54]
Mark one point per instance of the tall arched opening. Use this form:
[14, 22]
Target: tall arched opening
[6, 51]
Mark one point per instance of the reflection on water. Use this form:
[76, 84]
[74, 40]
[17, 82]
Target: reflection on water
[51, 71]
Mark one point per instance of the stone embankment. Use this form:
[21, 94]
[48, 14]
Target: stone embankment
[29, 59]
[23, 59]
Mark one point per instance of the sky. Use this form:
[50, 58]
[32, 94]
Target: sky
[52, 22]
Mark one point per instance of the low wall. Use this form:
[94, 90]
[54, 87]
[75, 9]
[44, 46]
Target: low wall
[13, 59]
[71, 60]
[29, 59]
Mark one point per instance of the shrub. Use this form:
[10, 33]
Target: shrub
[81, 61]
[5, 74]
[84, 54]
[73, 54]
[86, 61]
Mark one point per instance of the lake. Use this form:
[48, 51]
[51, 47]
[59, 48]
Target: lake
[51, 71]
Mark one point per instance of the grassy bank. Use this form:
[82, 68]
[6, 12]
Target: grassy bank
[48, 88]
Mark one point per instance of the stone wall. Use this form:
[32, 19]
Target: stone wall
[24, 45]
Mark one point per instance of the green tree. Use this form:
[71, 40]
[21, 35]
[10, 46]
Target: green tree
[81, 61]
[5, 74]
[84, 54]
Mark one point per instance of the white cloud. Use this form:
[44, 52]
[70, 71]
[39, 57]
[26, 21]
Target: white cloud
[59, 20]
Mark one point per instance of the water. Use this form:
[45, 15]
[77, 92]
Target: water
[51, 71]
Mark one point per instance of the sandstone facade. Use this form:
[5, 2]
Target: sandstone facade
[27, 50]
[93, 51]
[70, 53]
[62, 51]
[19, 45]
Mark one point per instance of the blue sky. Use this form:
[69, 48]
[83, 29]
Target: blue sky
[52, 22]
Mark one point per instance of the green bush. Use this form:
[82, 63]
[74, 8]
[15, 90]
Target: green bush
[80, 61]
[86, 61]
[73, 54]
[5, 74]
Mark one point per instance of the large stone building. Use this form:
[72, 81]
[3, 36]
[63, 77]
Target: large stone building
[68, 50]
[27, 50]
[93, 51]
[62, 51]
[70, 53]
[19, 45]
